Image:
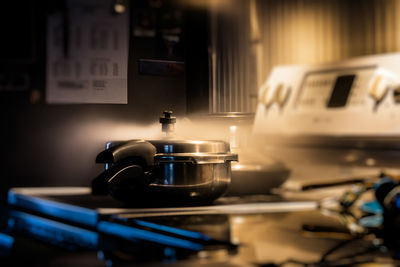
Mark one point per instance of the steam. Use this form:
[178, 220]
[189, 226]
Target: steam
[185, 129]
[97, 134]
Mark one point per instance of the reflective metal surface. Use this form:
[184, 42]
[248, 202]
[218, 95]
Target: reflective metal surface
[195, 158]
[183, 171]
[190, 146]
[191, 182]
[193, 170]
[187, 174]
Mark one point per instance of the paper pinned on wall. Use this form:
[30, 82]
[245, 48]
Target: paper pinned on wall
[87, 53]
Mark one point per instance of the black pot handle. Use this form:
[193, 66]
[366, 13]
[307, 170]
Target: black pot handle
[130, 169]
[130, 149]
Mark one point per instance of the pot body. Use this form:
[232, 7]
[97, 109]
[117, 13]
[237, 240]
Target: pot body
[188, 182]
[180, 173]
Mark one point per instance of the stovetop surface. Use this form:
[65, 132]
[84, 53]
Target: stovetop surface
[303, 236]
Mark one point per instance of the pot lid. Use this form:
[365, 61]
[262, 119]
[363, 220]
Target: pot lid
[171, 146]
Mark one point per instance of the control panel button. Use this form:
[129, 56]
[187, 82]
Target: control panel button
[379, 88]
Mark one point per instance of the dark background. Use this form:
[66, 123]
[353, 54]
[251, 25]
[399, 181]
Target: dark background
[56, 145]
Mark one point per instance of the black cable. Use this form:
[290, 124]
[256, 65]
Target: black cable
[360, 253]
[336, 247]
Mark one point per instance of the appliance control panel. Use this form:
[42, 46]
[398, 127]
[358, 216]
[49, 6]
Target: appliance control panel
[359, 96]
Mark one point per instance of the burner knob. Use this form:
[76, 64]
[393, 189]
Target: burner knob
[396, 93]
[282, 94]
[261, 94]
[379, 88]
[266, 96]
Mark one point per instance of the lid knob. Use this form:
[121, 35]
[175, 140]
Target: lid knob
[168, 122]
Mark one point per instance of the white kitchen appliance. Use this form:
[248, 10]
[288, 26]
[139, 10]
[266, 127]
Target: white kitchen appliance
[333, 120]
[356, 97]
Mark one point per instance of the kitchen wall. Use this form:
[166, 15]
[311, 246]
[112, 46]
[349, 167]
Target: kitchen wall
[249, 37]
[56, 145]
[313, 31]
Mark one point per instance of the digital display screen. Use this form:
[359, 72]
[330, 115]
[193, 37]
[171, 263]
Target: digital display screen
[341, 91]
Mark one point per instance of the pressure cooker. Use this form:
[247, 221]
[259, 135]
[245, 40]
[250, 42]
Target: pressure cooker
[165, 171]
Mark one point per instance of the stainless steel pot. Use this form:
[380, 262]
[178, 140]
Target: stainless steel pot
[165, 171]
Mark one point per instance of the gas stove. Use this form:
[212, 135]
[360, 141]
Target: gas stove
[335, 126]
